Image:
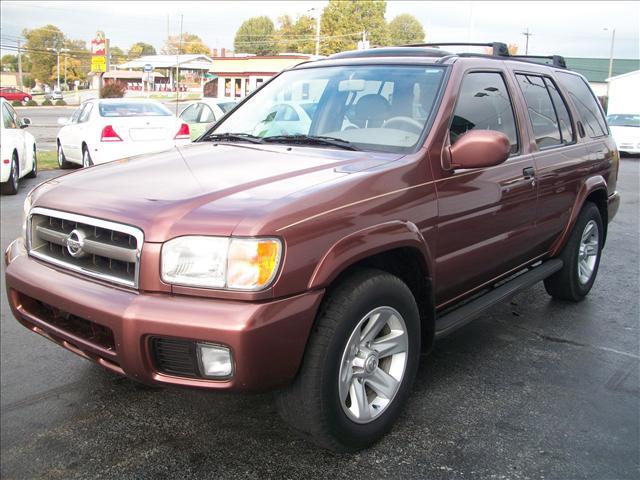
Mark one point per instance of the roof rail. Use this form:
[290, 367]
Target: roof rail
[556, 60]
[499, 49]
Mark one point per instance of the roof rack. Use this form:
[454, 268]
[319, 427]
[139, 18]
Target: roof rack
[499, 49]
[556, 60]
[391, 52]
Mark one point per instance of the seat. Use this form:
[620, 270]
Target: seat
[371, 111]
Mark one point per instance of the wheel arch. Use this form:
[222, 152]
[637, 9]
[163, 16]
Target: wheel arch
[395, 247]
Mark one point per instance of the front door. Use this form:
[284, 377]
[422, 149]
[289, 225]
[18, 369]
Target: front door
[486, 215]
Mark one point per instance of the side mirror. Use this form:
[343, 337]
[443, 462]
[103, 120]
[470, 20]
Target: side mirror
[25, 122]
[479, 148]
[62, 121]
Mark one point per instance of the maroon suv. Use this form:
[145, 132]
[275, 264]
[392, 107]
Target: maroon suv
[332, 226]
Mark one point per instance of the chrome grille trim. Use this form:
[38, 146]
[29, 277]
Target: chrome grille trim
[108, 252]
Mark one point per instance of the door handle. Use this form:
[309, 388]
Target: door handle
[528, 172]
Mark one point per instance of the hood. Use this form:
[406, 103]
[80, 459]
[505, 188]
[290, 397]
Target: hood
[202, 188]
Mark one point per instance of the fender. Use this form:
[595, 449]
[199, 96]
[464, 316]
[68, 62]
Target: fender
[590, 185]
[365, 243]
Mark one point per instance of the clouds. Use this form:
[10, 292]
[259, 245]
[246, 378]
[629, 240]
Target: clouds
[573, 29]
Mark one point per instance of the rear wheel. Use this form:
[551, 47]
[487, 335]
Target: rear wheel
[62, 160]
[10, 187]
[581, 257]
[359, 365]
[34, 168]
[86, 158]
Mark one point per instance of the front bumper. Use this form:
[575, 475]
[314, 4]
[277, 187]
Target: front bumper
[267, 339]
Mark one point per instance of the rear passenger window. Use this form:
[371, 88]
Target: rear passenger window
[564, 119]
[484, 104]
[585, 102]
[541, 112]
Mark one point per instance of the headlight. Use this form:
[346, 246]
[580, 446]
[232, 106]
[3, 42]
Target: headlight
[221, 262]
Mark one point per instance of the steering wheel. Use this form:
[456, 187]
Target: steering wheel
[414, 125]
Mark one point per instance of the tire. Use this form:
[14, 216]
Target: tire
[10, 187]
[25, 99]
[86, 158]
[581, 257]
[313, 406]
[34, 168]
[62, 161]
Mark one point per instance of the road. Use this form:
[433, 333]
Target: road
[45, 121]
[535, 388]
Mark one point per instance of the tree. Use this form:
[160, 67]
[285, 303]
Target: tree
[298, 36]
[140, 49]
[117, 55]
[405, 29]
[189, 44]
[256, 35]
[9, 63]
[343, 24]
[38, 41]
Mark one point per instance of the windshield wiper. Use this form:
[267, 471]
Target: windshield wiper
[225, 137]
[312, 140]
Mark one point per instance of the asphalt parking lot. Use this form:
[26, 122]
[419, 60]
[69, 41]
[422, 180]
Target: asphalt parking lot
[535, 388]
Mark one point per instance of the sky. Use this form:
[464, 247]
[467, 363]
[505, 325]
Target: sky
[571, 29]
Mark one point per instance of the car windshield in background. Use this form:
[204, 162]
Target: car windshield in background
[381, 108]
[227, 106]
[133, 109]
[624, 120]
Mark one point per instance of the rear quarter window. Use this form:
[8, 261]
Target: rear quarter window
[585, 103]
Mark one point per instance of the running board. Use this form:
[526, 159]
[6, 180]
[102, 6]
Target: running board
[464, 314]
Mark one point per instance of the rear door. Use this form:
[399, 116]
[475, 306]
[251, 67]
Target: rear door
[486, 215]
[558, 155]
[69, 138]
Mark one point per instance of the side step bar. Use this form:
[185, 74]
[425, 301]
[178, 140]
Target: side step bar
[461, 316]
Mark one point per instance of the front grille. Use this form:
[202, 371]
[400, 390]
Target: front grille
[92, 332]
[174, 357]
[94, 247]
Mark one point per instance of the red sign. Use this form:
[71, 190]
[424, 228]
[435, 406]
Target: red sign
[99, 44]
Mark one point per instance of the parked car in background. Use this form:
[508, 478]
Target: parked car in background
[18, 149]
[625, 129]
[53, 95]
[286, 118]
[321, 263]
[100, 131]
[12, 94]
[204, 113]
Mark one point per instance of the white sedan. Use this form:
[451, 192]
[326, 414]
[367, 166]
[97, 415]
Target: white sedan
[18, 150]
[625, 129]
[204, 113]
[111, 129]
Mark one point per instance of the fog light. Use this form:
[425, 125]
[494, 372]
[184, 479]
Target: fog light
[214, 361]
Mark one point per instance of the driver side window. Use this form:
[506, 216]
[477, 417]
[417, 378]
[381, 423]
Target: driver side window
[484, 104]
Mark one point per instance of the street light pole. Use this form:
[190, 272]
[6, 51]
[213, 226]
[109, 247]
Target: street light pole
[613, 39]
[318, 14]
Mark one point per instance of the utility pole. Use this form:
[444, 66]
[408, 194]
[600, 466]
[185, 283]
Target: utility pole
[177, 82]
[19, 66]
[65, 70]
[317, 33]
[613, 39]
[527, 34]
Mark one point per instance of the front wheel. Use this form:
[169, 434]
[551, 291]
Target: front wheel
[360, 363]
[581, 257]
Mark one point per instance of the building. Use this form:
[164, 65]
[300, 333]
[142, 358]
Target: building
[624, 93]
[8, 79]
[236, 77]
[596, 70]
[137, 80]
[191, 69]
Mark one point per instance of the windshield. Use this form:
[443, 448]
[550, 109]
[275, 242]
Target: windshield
[133, 109]
[624, 120]
[381, 107]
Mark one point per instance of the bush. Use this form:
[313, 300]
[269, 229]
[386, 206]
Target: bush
[112, 90]
[31, 103]
[16, 103]
[60, 103]
[47, 103]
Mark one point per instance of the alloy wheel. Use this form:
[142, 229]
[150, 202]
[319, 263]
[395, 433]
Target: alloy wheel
[588, 251]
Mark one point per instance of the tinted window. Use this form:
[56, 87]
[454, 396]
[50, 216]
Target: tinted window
[227, 106]
[564, 119]
[484, 104]
[86, 111]
[133, 109]
[586, 104]
[541, 112]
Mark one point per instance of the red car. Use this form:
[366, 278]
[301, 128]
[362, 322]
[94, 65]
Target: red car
[12, 93]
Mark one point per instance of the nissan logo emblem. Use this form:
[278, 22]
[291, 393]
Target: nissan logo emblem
[75, 242]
